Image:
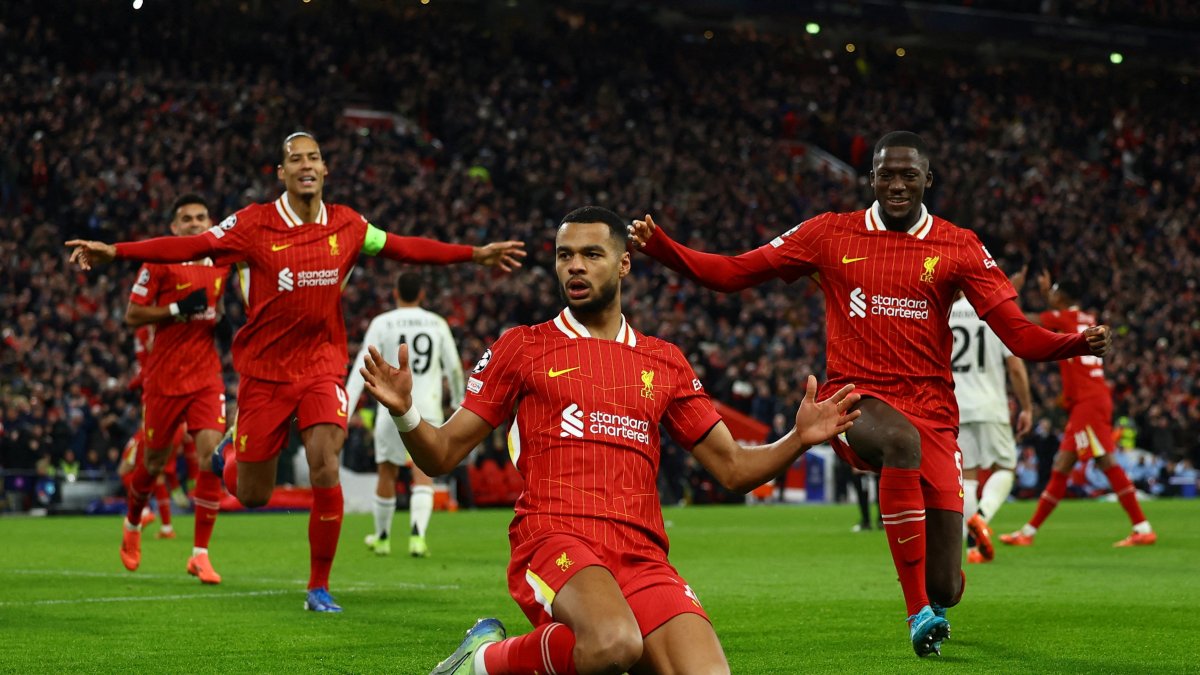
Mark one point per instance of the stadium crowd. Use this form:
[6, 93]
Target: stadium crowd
[503, 124]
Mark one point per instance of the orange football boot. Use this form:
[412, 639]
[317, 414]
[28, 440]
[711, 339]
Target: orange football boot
[200, 567]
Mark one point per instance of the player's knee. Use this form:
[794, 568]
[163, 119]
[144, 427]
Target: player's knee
[613, 651]
[252, 498]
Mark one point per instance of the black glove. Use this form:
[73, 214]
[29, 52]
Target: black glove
[195, 303]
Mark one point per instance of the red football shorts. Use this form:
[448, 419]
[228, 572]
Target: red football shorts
[1089, 428]
[202, 409]
[266, 409]
[941, 462]
[541, 567]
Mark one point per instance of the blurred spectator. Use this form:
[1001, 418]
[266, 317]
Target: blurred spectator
[1088, 170]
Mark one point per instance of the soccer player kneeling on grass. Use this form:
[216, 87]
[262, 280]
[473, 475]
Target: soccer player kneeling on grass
[589, 554]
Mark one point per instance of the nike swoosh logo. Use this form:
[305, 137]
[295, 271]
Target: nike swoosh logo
[180, 287]
[905, 541]
[279, 247]
[341, 414]
[327, 519]
[555, 373]
[846, 260]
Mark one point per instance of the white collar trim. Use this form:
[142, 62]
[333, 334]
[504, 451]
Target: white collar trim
[291, 218]
[572, 328]
[874, 222]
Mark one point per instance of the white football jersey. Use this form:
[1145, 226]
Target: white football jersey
[432, 355]
[978, 363]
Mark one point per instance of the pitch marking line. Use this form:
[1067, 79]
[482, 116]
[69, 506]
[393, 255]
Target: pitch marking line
[141, 598]
[349, 587]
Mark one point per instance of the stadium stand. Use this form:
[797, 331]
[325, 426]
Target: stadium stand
[467, 122]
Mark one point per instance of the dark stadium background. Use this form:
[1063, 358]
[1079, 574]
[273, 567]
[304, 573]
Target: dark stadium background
[729, 121]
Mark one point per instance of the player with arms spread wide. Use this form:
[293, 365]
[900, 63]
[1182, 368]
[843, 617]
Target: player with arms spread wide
[1088, 400]
[889, 274]
[296, 254]
[589, 554]
[181, 381]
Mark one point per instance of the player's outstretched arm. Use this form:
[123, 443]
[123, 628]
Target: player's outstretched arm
[1034, 343]
[743, 468]
[88, 253]
[158, 250]
[503, 254]
[435, 450]
[719, 272]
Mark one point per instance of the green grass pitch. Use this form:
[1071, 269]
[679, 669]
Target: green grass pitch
[789, 588]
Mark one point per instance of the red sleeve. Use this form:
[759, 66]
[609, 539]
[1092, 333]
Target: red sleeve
[168, 249]
[1052, 320]
[1030, 341]
[496, 381]
[422, 250]
[718, 272]
[691, 414]
[980, 278]
[145, 289]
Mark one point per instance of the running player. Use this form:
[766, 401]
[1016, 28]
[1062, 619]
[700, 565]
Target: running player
[989, 450]
[1089, 404]
[434, 356]
[889, 274]
[181, 381]
[130, 457]
[589, 554]
[296, 254]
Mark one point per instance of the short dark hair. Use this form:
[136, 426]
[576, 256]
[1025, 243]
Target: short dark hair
[597, 214]
[408, 286]
[186, 199]
[291, 137]
[902, 139]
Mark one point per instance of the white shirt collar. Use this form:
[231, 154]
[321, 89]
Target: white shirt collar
[572, 328]
[291, 218]
[874, 222]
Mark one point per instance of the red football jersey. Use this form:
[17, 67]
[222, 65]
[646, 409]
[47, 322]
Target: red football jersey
[1082, 376]
[179, 357]
[887, 299]
[585, 432]
[291, 276]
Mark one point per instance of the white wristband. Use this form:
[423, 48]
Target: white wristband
[411, 419]
[174, 307]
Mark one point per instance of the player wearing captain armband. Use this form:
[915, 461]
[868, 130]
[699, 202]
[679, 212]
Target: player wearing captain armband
[295, 254]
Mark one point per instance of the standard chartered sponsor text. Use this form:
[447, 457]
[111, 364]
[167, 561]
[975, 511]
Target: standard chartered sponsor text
[621, 426]
[318, 277]
[904, 308]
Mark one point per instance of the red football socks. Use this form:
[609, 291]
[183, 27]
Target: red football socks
[324, 528]
[548, 649]
[902, 507]
[207, 499]
[163, 497]
[1126, 493]
[141, 484]
[1055, 489]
